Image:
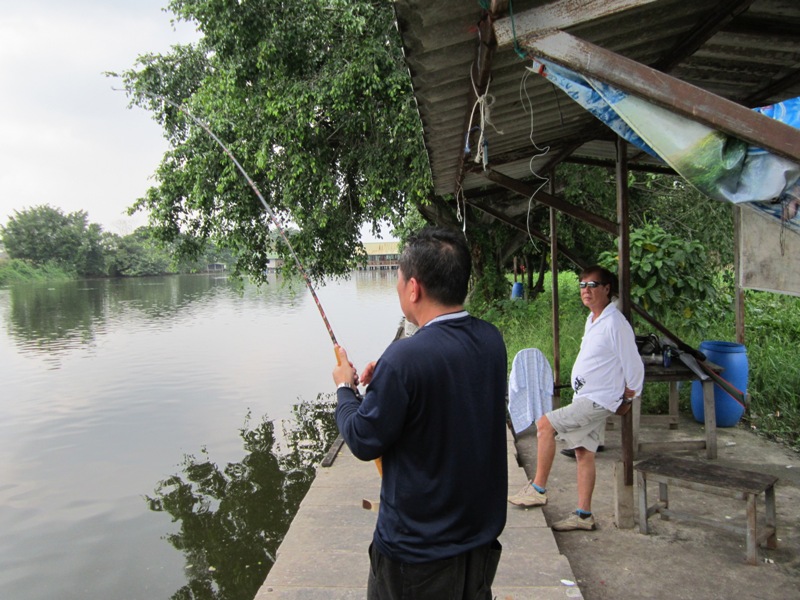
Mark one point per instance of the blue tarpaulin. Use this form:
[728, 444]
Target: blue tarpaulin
[719, 165]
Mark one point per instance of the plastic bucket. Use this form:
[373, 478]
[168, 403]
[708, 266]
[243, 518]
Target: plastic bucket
[517, 290]
[732, 358]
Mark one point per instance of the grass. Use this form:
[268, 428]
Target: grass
[772, 332]
[14, 271]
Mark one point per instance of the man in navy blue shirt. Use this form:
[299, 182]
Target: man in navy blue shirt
[434, 410]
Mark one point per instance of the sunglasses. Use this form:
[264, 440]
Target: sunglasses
[590, 284]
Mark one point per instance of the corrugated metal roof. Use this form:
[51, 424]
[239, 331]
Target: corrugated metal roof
[748, 52]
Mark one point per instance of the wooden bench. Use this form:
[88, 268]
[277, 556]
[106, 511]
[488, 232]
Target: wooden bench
[714, 479]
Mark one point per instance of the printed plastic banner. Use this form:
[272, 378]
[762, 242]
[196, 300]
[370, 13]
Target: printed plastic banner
[719, 165]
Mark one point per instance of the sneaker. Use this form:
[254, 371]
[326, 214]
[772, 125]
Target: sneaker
[528, 496]
[574, 522]
[571, 451]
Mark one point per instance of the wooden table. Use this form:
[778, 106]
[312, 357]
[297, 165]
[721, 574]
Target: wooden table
[673, 374]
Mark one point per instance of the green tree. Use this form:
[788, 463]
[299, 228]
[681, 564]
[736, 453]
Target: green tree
[137, 254]
[44, 234]
[670, 277]
[314, 100]
[91, 259]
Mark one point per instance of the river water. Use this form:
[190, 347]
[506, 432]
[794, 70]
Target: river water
[157, 435]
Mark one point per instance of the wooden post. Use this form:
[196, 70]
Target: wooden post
[624, 272]
[738, 292]
[554, 273]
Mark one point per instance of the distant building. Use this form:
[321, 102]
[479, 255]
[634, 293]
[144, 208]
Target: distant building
[382, 255]
[215, 267]
[274, 264]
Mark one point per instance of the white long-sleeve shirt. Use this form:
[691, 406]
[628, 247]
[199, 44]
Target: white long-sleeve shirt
[608, 360]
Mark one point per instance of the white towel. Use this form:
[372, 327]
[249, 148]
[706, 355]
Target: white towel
[530, 388]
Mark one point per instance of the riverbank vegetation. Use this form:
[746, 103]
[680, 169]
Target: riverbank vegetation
[44, 244]
[21, 271]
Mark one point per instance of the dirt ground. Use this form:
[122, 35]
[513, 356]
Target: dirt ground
[678, 559]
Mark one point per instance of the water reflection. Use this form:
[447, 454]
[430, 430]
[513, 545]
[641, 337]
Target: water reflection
[108, 384]
[44, 319]
[49, 319]
[232, 519]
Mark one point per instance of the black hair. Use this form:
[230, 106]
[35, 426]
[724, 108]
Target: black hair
[604, 277]
[438, 258]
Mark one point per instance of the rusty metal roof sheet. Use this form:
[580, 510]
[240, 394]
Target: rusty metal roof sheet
[747, 51]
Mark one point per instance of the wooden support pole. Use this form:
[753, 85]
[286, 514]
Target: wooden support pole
[624, 273]
[623, 224]
[554, 276]
[738, 292]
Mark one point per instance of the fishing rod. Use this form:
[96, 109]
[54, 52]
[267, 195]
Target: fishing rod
[273, 217]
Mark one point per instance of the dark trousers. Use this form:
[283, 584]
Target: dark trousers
[467, 576]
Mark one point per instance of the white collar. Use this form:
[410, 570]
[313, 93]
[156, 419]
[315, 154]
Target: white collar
[447, 317]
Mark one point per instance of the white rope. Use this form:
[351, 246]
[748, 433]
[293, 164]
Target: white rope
[527, 106]
[483, 105]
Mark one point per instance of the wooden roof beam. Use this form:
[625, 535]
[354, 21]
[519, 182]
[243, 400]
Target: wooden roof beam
[724, 13]
[527, 190]
[531, 231]
[777, 87]
[480, 77]
[559, 15]
[664, 90]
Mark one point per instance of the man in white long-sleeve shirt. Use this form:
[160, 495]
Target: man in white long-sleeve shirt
[607, 372]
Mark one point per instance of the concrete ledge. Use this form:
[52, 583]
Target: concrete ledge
[324, 553]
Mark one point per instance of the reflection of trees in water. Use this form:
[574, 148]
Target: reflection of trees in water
[54, 317]
[232, 520]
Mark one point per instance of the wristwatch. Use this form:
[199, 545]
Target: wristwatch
[344, 384]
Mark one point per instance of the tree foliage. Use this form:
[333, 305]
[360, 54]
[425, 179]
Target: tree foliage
[138, 254]
[313, 99]
[43, 243]
[670, 276]
[44, 234]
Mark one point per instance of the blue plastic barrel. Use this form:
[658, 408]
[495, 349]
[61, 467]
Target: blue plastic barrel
[517, 291]
[732, 358]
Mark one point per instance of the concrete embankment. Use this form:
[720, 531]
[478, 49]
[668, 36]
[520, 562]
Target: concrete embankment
[324, 553]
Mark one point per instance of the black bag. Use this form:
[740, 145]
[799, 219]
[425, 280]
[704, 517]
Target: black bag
[648, 344]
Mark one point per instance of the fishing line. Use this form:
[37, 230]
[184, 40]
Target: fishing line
[273, 217]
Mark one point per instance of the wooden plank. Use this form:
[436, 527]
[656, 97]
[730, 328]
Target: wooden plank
[555, 299]
[697, 486]
[748, 482]
[332, 452]
[528, 190]
[558, 15]
[710, 418]
[676, 446]
[623, 223]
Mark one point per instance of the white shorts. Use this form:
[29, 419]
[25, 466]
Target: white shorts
[580, 424]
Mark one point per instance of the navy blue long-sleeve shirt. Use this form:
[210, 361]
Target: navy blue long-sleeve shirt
[435, 411]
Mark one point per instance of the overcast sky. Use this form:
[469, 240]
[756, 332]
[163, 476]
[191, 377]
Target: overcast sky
[66, 138]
